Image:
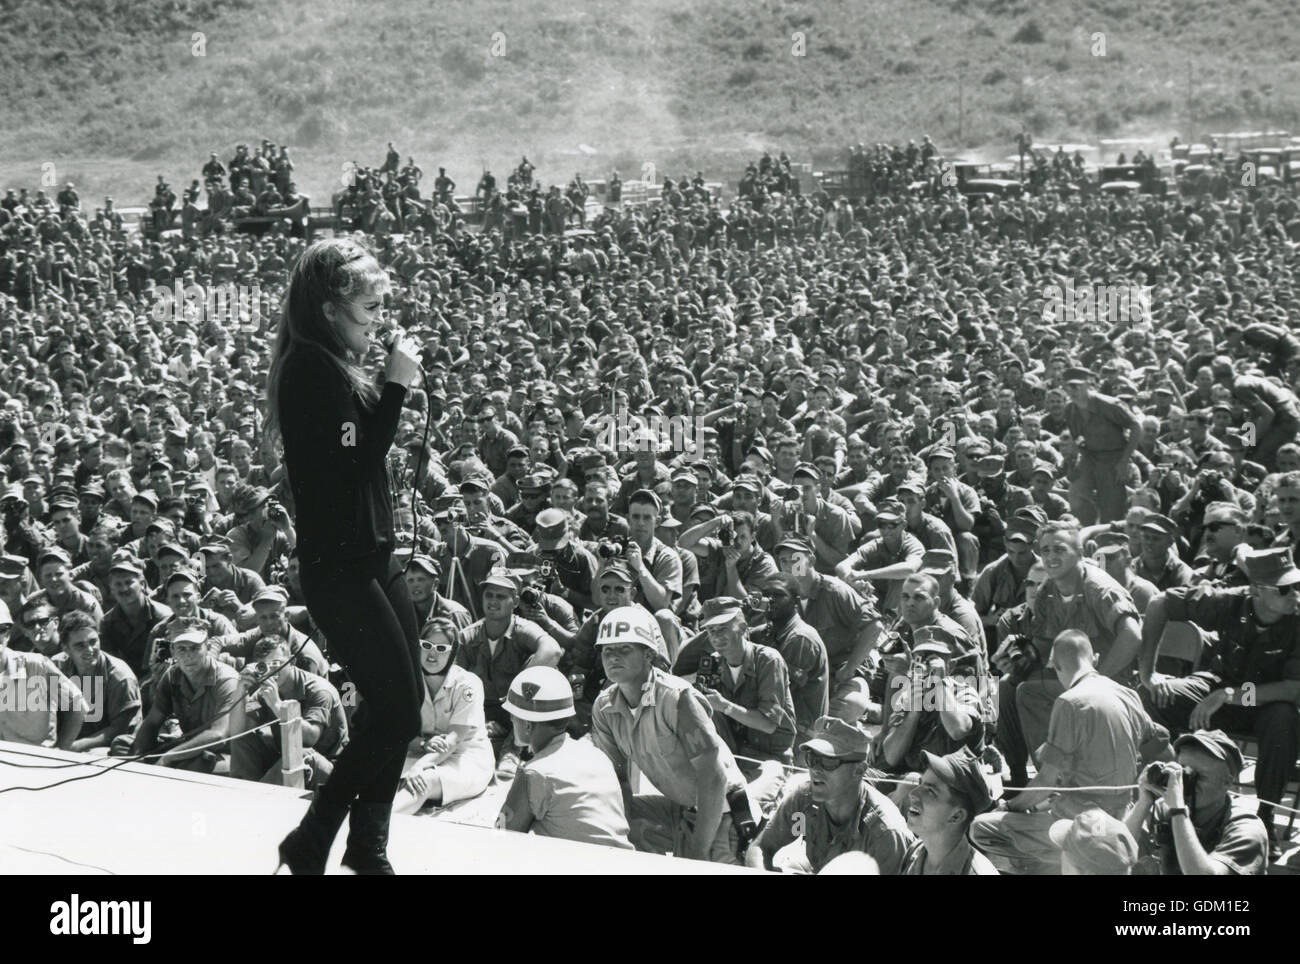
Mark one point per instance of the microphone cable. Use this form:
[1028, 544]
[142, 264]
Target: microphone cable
[389, 341]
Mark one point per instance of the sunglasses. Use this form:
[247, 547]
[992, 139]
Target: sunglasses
[431, 647]
[39, 622]
[1216, 526]
[827, 764]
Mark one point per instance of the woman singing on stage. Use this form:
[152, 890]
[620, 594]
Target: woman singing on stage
[337, 426]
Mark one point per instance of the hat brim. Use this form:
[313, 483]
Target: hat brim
[1288, 578]
[789, 546]
[1214, 749]
[721, 619]
[933, 646]
[819, 745]
[939, 766]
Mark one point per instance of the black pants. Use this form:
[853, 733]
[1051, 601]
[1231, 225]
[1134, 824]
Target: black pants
[366, 613]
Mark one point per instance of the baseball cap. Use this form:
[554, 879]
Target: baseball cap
[940, 452]
[425, 564]
[1096, 843]
[1023, 530]
[127, 566]
[617, 568]
[1161, 523]
[502, 578]
[1034, 513]
[191, 631]
[962, 773]
[684, 474]
[12, 567]
[719, 611]
[795, 544]
[182, 575]
[1271, 567]
[52, 554]
[275, 594]
[890, 510]
[933, 639]
[1216, 743]
[938, 562]
[833, 737]
[147, 497]
[806, 470]
[173, 548]
[1076, 375]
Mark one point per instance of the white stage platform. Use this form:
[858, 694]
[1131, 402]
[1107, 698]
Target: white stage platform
[142, 819]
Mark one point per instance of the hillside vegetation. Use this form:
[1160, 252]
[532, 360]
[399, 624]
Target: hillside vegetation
[112, 92]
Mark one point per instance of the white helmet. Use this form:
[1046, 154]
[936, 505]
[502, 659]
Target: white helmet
[632, 624]
[540, 694]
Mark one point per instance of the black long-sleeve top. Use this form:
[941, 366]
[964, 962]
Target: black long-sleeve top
[336, 453]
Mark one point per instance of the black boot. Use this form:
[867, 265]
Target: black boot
[367, 851]
[307, 847]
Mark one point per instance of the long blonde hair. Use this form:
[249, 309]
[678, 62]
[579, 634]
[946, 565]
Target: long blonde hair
[333, 271]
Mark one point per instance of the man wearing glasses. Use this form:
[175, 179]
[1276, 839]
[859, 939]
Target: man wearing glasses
[1225, 530]
[835, 810]
[41, 625]
[1250, 681]
[39, 706]
[887, 560]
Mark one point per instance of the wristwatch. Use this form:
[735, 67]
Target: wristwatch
[1177, 812]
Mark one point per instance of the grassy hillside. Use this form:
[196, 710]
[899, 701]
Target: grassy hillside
[112, 93]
